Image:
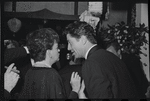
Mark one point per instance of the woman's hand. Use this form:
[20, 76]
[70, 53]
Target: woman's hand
[10, 78]
[148, 92]
[81, 91]
[75, 82]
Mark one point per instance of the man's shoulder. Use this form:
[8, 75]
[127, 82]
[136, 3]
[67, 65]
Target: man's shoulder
[100, 53]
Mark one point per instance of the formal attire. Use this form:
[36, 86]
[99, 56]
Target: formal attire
[22, 61]
[106, 76]
[44, 83]
[7, 95]
[66, 72]
[18, 56]
[14, 54]
[134, 66]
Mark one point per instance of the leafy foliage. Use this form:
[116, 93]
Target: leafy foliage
[129, 37]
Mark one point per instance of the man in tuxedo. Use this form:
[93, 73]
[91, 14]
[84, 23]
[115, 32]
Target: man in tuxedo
[20, 56]
[104, 74]
[134, 66]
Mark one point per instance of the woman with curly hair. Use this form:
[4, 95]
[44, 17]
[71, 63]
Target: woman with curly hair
[42, 81]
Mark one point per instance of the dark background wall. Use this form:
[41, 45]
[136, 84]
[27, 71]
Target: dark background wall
[117, 13]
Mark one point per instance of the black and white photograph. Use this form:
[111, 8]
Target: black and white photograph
[75, 49]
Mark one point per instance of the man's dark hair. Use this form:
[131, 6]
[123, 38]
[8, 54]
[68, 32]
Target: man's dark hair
[78, 28]
[39, 41]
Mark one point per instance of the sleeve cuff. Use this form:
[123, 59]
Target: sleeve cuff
[6, 94]
[73, 95]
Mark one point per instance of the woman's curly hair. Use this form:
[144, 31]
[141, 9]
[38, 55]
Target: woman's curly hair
[39, 41]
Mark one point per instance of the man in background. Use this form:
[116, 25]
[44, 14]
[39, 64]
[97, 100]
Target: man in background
[134, 66]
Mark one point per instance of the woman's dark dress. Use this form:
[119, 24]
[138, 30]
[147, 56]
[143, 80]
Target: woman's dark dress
[44, 83]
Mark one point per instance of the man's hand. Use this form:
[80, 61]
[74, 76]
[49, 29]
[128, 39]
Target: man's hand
[75, 82]
[10, 78]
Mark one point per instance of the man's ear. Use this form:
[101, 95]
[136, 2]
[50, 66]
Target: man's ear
[83, 39]
[48, 52]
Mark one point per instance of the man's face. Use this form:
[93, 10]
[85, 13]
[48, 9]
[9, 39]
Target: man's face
[75, 46]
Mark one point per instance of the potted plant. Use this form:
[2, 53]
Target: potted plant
[129, 37]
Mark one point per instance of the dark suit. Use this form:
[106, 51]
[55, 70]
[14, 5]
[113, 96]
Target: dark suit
[134, 66]
[65, 74]
[22, 61]
[18, 56]
[106, 76]
[7, 94]
[13, 54]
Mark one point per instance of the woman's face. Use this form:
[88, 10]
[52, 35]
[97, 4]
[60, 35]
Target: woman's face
[55, 53]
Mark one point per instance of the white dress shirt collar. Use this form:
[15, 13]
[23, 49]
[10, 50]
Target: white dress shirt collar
[89, 50]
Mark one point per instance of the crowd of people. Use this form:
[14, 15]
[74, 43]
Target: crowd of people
[92, 73]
